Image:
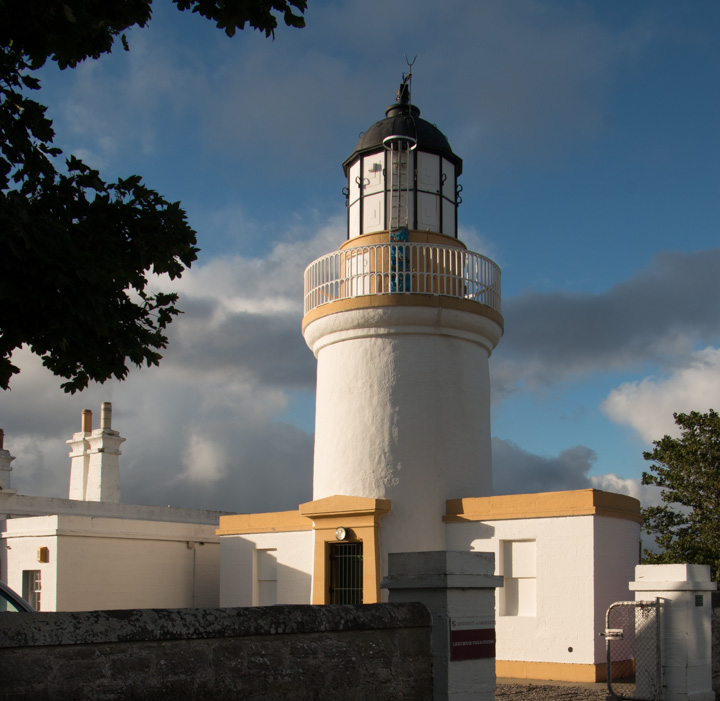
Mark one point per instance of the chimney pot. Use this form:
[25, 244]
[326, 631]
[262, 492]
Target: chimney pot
[86, 421]
[106, 415]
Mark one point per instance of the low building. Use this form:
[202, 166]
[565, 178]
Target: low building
[564, 558]
[92, 551]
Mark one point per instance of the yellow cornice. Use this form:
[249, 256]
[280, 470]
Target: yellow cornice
[402, 300]
[274, 522]
[414, 236]
[361, 510]
[339, 506]
[581, 502]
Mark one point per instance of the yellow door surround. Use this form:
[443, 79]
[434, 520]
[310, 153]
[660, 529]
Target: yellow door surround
[360, 516]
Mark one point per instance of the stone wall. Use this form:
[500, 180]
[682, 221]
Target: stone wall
[716, 643]
[379, 651]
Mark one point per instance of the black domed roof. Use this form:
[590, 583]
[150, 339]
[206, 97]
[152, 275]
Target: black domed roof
[403, 119]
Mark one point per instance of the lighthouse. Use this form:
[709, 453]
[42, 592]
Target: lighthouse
[402, 319]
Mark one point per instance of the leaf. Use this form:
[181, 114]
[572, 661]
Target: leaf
[687, 469]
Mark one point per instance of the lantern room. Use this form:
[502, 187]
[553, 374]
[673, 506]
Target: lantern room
[402, 175]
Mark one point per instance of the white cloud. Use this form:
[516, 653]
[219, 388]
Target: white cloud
[204, 461]
[125, 103]
[507, 81]
[477, 242]
[647, 495]
[272, 284]
[648, 405]
[207, 428]
[525, 77]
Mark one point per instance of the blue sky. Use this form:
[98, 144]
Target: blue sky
[589, 134]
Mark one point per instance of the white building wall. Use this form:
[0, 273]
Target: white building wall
[617, 552]
[22, 554]
[582, 565]
[97, 563]
[246, 568]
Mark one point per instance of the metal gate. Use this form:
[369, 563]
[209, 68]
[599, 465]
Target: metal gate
[632, 639]
[346, 573]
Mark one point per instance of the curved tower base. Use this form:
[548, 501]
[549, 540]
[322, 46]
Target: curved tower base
[403, 410]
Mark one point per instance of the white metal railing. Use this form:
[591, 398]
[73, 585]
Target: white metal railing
[402, 268]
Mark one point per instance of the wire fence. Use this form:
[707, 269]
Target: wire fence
[633, 650]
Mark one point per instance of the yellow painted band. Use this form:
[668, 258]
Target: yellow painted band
[402, 300]
[414, 236]
[581, 502]
[274, 522]
[561, 672]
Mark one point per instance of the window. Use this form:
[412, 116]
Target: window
[265, 589]
[31, 588]
[518, 595]
[346, 573]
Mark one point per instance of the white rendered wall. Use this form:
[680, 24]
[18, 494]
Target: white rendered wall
[617, 553]
[403, 413]
[22, 554]
[239, 573]
[581, 563]
[97, 563]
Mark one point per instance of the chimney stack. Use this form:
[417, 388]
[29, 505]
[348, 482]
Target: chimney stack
[94, 459]
[5, 469]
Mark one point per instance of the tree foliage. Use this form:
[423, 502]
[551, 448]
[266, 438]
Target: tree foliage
[76, 252]
[687, 525]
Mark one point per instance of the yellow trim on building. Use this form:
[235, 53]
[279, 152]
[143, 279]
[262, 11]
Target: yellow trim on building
[558, 671]
[581, 502]
[414, 236]
[401, 300]
[273, 522]
[361, 516]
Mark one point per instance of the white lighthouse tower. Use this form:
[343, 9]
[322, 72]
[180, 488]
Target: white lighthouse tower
[402, 320]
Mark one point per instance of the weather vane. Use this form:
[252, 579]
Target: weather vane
[403, 93]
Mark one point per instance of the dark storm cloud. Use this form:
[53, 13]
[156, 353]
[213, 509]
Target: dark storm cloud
[193, 440]
[515, 471]
[660, 312]
[225, 422]
[270, 349]
[265, 466]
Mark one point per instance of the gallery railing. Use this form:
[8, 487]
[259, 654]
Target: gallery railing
[402, 268]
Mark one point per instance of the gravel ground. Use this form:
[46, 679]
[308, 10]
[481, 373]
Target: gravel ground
[536, 692]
